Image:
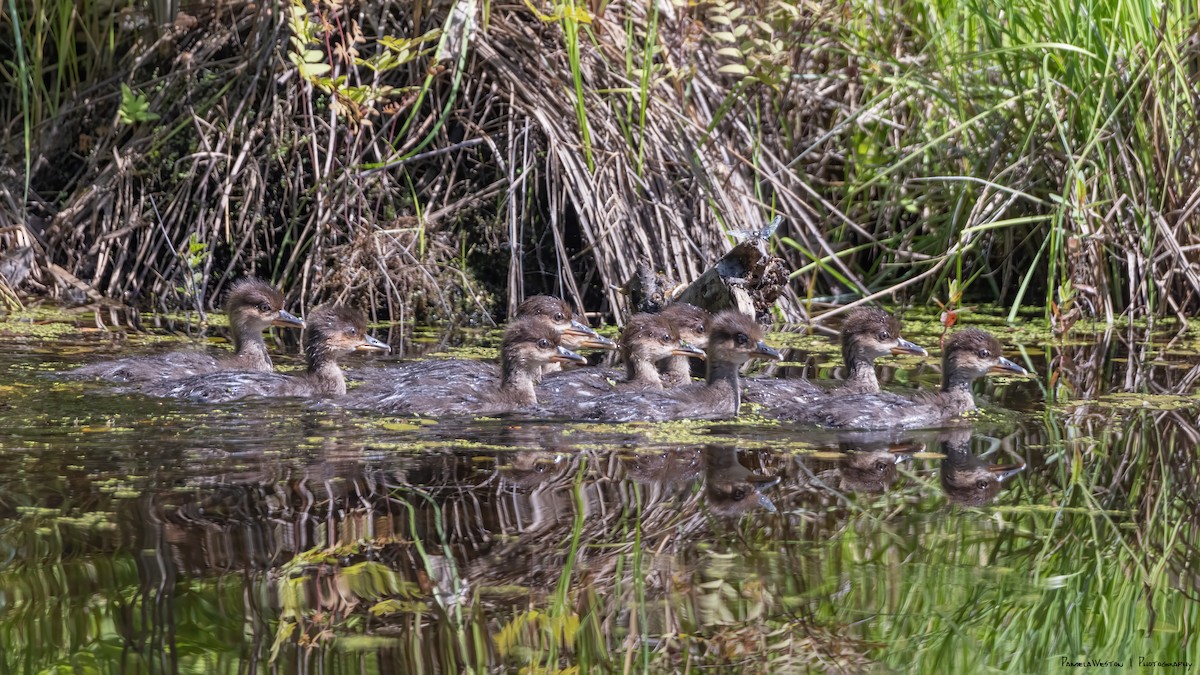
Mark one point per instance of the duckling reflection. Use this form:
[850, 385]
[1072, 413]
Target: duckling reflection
[668, 469]
[868, 467]
[252, 306]
[969, 480]
[269, 510]
[866, 335]
[528, 469]
[730, 488]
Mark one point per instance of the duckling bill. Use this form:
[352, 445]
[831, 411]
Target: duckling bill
[689, 322]
[395, 379]
[867, 334]
[646, 340]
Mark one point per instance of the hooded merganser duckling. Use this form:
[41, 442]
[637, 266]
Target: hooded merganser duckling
[688, 321]
[571, 333]
[252, 305]
[332, 331]
[969, 480]
[733, 339]
[968, 355]
[646, 340]
[866, 335]
[528, 345]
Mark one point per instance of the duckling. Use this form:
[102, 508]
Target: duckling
[733, 339]
[646, 340]
[528, 345]
[577, 335]
[332, 332]
[968, 355]
[866, 335]
[572, 334]
[252, 306]
[688, 321]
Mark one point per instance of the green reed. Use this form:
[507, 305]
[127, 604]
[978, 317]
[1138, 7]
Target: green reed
[1028, 140]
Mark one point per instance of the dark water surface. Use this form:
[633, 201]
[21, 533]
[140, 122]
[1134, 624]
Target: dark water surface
[141, 535]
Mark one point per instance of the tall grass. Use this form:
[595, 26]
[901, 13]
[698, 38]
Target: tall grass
[1030, 148]
[1031, 152]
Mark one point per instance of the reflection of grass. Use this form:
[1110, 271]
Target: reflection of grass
[636, 582]
[1014, 592]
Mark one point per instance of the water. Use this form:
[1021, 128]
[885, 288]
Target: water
[141, 535]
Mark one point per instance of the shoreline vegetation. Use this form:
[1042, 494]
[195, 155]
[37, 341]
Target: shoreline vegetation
[430, 160]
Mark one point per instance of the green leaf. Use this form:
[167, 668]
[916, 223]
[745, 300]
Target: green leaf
[311, 70]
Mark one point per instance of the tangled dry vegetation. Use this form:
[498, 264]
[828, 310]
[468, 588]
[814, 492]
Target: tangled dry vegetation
[441, 156]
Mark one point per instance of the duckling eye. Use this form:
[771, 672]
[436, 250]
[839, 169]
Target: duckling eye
[352, 332]
[543, 343]
[881, 466]
[741, 339]
[560, 317]
[264, 307]
[985, 354]
[884, 335]
[665, 338]
[739, 494]
[981, 484]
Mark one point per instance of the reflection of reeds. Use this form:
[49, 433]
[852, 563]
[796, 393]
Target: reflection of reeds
[624, 570]
[1112, 528]
[610, 560]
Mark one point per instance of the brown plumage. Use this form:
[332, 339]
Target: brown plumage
[646, 340]
[689, 321]
[252, 306]
[528, 345]
[968, 355]
[332, 331]
[733, 339]
[866, 335]
[574, 333]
